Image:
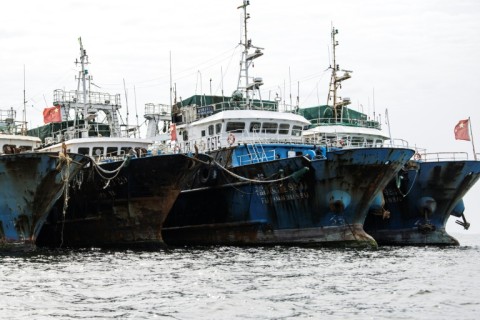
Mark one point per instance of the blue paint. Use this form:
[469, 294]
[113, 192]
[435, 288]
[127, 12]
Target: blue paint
[459, 209]
[297, 209]
[29, 185]
[420, 202]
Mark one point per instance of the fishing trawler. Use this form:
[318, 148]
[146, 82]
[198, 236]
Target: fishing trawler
[122, 199]
[421, 199]
[414, 207]
[30, 183]
[265, 186]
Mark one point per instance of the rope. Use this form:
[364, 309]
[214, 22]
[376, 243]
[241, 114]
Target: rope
[63, 166]
[411, 186]
[232, 185]
[293, 175]
[102, 172]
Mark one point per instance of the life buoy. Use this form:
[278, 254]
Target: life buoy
[231, 139]
[417, 156]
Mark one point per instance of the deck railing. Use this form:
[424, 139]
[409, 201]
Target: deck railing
[61, 96]
[444, 156]
[346, 122]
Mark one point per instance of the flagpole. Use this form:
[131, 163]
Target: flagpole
[471, 135]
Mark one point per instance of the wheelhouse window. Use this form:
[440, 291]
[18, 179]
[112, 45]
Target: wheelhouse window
[203, 133]
[210, 130]
[112, 151]
[84, 151]
[284, 128]
[218, 128]
[296, 131]
[255, 126]
[357, 141]
[269, 127]
[235, 126]
[25, 148]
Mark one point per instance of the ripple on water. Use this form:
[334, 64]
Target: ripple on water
[243, 283]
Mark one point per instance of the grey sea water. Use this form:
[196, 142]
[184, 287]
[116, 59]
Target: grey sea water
[244, 283]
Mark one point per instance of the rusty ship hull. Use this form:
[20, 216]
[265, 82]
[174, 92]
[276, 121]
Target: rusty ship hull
[30, 184]
[127, 210]
[321, 201]
[421, 200]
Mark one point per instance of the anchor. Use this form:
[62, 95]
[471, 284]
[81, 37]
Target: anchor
[427, 226]
[463, 223]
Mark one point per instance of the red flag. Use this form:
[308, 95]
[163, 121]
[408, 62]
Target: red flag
[173, 132]
[461, 130]
[52, 114]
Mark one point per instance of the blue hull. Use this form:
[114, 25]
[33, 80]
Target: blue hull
[30, 183]
[427, 195]
[124, 208]
[324, 201]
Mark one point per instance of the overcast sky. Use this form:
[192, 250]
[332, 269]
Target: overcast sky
[419, 59]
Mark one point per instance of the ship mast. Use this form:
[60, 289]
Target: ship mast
[83, 78]
[24, 118]
[244, 85]
[83, 57]
[336, 82]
